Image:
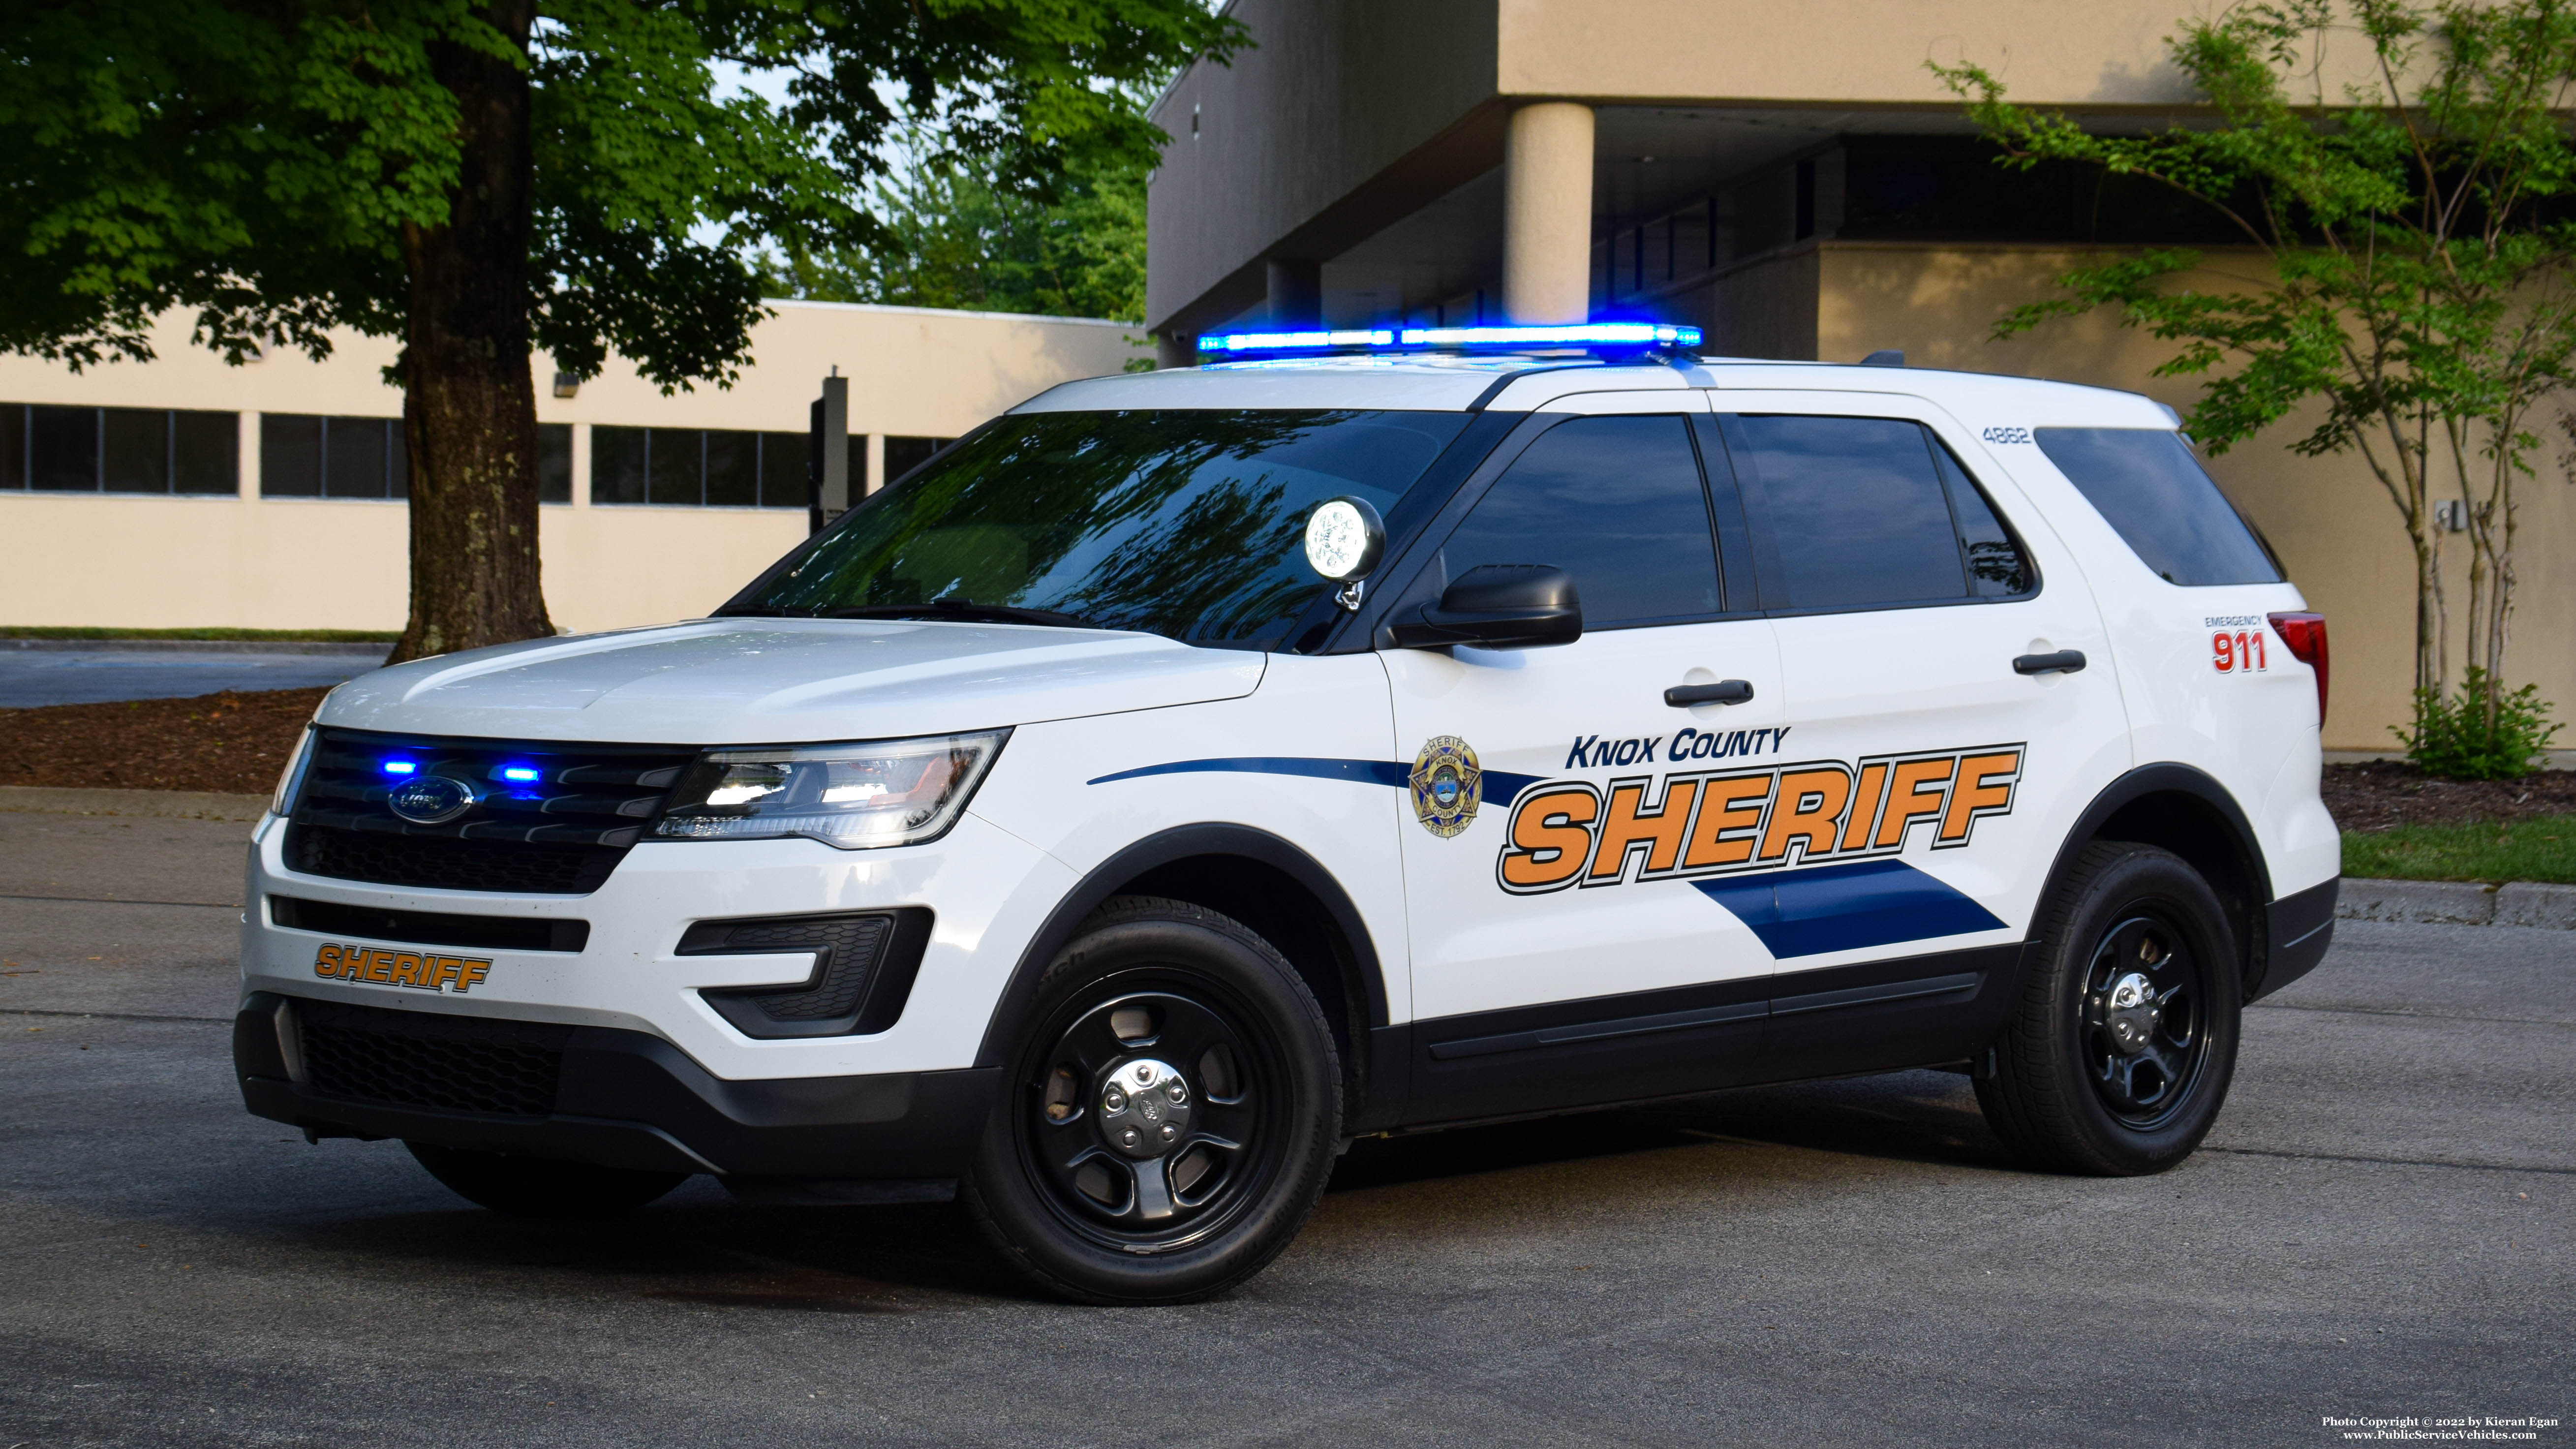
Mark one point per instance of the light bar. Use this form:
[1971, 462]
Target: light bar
[1293, 341]
[1636, 335]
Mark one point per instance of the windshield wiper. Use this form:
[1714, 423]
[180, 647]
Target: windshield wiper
[963, 612]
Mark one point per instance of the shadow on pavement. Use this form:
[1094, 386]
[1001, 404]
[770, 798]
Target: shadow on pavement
[700, 1248]
[1923, 1117]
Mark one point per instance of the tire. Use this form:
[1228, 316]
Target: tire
[1170, 1117]
[542, 1187]
[2120, 1053]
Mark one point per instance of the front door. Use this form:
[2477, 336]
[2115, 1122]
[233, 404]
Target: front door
[1552, 963]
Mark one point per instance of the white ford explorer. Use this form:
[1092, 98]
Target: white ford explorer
[1189, 772]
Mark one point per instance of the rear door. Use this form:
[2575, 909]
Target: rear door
[1931, 773]
[1555, 958]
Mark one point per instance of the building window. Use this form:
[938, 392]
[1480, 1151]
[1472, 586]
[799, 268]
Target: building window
[554, 462]
[302, 455]
[119, 450]
[902, 455]
[692, 467]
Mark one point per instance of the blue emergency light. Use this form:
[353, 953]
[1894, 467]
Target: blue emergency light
[1595, 336]
[401, 767]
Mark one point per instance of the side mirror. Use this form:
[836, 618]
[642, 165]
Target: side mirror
[1496, 606]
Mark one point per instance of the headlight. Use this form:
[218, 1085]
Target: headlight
[894, 792]
[283, 798]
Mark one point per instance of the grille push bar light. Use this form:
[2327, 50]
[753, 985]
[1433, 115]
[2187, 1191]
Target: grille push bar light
[1597, 336]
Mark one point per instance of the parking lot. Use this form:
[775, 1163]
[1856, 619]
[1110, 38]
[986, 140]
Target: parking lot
[2379, 1226]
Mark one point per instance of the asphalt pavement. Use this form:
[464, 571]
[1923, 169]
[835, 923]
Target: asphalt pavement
[31, 676]
[2379, 1226]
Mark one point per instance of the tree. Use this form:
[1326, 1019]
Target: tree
[2421, 260]
[956, 234]
[481, 178]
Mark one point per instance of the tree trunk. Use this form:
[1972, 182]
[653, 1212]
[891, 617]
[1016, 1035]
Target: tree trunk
[469, 402]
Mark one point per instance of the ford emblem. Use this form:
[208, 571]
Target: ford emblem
[431, 799]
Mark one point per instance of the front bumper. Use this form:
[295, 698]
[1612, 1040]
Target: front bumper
[629, 1099]
[986, 891]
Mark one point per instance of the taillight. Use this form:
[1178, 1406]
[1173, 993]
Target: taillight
[2306, 636]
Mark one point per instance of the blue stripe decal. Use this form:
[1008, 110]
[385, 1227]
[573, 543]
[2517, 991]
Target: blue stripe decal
[1846, 907]
[1499, 788]
[1365, 772]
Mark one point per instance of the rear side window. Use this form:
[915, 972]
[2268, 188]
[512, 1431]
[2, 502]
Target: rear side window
[1617, 503]
[2162, 503]
[1865, 513]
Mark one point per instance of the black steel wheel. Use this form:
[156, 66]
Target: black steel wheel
[2124, 1043]
[2144, 1044]
[542, 1187]
[1169, 1119]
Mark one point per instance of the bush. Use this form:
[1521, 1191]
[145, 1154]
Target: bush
[2481, 733]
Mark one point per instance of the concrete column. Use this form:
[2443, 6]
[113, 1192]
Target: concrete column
[1296, 295]
[1174, 350]
[1547, 213]
[249, 462]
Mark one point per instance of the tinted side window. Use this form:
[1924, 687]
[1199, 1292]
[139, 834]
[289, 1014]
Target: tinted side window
[1997, 567]
[1847, 513]
[2155, 494]
[1617, 503]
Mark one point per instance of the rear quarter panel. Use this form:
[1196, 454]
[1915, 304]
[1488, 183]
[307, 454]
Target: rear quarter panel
[2253, 730]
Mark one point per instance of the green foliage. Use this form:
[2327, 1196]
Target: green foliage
[953, 233]
[261, 161]
[2420, 292]
[2542, 848]
[2480, 733]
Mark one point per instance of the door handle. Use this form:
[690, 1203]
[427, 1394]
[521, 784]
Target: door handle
[1728, 691]
[2064, 661]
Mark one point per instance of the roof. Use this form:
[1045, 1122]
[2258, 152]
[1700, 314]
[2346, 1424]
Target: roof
[1440, 382]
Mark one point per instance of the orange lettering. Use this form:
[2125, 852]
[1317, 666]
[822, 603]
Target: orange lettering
[1808, 808]
[407, 969]
[1908, 800]
[1624, 828]
[377, 962]
[1976, 795]
[326, 962]
[1864, 813]
[1551, 838]
[1730, 808]
[472, 975]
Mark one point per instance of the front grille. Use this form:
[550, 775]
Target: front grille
[445, 1063]
[429, 928]
[560, 833]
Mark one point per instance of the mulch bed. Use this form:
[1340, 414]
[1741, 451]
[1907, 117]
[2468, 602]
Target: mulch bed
[2381, 794]
[237, 743]
[228, 742]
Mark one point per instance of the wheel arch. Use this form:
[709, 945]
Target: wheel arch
[2187, 811]
[1260, 879]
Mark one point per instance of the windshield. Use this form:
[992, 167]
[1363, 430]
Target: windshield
[1188, 524]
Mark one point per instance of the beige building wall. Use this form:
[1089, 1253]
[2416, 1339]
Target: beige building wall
[2342, 539]
[249, 562]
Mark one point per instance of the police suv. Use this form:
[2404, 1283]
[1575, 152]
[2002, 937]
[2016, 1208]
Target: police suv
[1189, 772]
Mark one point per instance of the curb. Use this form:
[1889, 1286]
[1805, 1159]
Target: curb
[2459, 903]
[162, 804]
[201, 646]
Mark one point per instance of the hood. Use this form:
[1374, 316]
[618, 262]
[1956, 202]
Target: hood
[782, 681]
